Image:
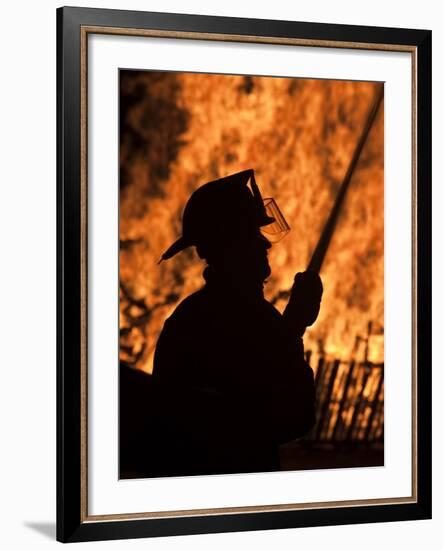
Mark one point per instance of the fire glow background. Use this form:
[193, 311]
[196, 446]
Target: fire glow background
[180, 130]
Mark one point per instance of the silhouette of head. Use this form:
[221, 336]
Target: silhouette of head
[242, 262]
[223, 220]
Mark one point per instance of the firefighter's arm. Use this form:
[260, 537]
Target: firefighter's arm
[304, 302]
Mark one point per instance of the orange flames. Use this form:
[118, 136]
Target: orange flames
[180, 130]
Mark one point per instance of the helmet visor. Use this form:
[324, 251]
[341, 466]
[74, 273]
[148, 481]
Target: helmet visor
[279, 228]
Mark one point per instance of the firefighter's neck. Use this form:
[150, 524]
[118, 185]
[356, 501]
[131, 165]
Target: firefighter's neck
[227, 281]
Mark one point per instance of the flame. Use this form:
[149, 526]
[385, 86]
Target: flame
[180, 130]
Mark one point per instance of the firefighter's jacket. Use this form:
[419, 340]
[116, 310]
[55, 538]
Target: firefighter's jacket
[234, 385]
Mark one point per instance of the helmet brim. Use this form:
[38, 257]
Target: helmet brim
[176, 247]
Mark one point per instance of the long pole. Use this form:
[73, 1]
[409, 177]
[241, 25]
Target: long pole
[328, 230]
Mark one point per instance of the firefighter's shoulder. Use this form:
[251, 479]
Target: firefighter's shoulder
[189, 308]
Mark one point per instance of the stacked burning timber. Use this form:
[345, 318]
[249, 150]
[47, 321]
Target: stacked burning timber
[179, 131]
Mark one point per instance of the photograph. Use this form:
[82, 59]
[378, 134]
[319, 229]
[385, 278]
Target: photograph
[244, 274]
[220, 311]
[251, 273]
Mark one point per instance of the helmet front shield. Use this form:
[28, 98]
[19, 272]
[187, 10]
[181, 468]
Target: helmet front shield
[279, 228]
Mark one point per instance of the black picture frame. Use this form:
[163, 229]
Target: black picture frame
[73, 523]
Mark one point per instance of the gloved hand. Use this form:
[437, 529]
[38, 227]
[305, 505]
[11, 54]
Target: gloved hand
[304, 302]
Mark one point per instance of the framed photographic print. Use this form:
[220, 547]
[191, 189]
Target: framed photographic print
[244, 283]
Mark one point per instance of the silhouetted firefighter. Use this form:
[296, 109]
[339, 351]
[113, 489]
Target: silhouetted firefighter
[230, 378]
[230, 383]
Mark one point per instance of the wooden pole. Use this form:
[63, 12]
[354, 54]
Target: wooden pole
[374, 405]
[324, 417]
[328, 230]
[325, 238]
[343, 400]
